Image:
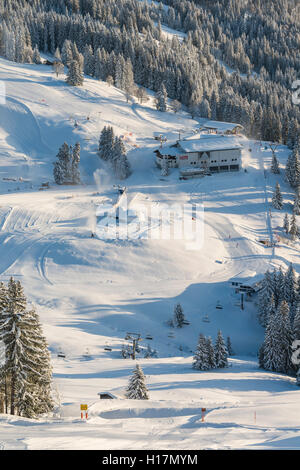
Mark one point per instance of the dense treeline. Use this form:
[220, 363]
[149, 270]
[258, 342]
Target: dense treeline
[258, 39]
[279, 313]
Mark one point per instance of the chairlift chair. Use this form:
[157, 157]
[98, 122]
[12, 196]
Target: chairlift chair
[206, 319]
[149, 337]
[219, 306]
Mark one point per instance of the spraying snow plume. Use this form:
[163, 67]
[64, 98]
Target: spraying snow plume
[102, 179]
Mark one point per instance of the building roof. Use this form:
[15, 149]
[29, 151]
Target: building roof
[107, 393]
[221, 126]
[209, 142]
[169, 150]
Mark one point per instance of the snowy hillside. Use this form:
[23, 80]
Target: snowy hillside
[89, 292]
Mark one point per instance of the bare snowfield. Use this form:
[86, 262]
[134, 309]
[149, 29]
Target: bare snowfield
[89, 292]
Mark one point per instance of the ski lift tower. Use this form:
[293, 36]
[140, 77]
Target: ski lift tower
[180, 131]
[135, 338]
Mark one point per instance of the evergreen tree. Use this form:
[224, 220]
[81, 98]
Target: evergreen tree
[61, 166]
[119, 159]
[290, 286]
[201, 360]
[74, 76]
[275, 165]
[286, 337]
[221, 352]
[265, 295]
[66, 169]
[178, 316]
[296, 207]
[27, 370]
[161, 98]
[292, 171]
[66, 53]
[271, 346]
[277, 198]
[57, 55]
[294, 231]
[75, 163]
[278, 341]
[106, 143]
[286, 224]
[296, 323]
[36, 56]
[229, 347]
[278, 282]
[211, 358]
[137, 389]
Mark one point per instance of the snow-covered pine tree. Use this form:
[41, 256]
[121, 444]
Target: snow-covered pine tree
[290, 286]
[229, 347]
[211, 357]
[278, 283]
[137, 389]
[66, 53]
[178, 316]
[57, 55]
[221, 352]
[75, 164]
[106, 143]
[74, 76]
[161, 98]
[292, 171]
[294, 231]
[296, 207]
[36, 58]
[278, 341]
[128, 85]
[201, 355]
[62, 166]
[286, 224]
[119, 160]
[296, 323]
[275, 165]
[270, 350]
[286, 337]
[277, 198]
[27, 370]
[89, 60]
[264, 297]
[261, 356]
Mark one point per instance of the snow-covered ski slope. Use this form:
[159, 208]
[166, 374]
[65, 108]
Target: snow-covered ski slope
[90, 292]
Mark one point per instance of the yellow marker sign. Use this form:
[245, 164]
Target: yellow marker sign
[83, 407]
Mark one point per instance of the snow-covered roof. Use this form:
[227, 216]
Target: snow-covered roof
[107, 393]
[221, 126]
[170, 150]
[209, 142]
[247, 277]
